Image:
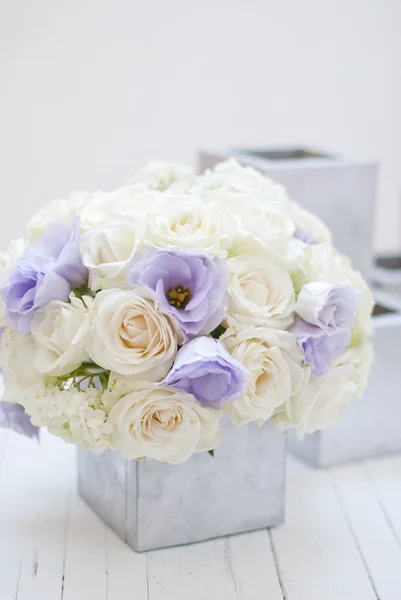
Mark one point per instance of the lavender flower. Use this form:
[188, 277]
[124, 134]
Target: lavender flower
[13, 416]
[48, 271]
[304, 236]
[319, 352]
[205, 369]
[190, 286]
[326, 315]
[326, 308]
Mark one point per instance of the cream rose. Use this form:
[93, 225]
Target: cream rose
[57, 210]
[363, 323]
[60, 332]
[310, 223]
[320, 404]
[106, 249]
[236, 187]
[17, 364]
[266, 230]
[358, 360]
[130, 335]
[273, 360]
[131, 201]
[259, 293]
[185, 222]
[158, 422]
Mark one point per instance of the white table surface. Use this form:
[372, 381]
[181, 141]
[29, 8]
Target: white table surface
[341, 539]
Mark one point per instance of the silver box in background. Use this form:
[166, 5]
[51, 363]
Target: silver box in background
[387, 274]
[340, 190]
[151, 505]
[371, 426]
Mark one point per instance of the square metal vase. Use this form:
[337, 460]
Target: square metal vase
[371, 426]
[341, 190]
[150, 504]
[387, 274]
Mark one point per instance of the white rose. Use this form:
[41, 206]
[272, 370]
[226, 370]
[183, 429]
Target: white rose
[363, 323]
[60, 332]
[320, 404]
[131, 201]
[326, 264]
[186, 222]
[310, 223]
[259, 293]
[130, 335]
[266, 230]
[236, 187]
[273, 360]
[56, 210]
[358, 360]
[320, 262]
[164, 176]
[17, 364]
[106, 249]
[154, 421]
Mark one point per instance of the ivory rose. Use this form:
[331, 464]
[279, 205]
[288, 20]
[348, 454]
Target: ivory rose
[320, 404]
[129, 334]
[153, 421]
[272, 359]
[107, 248]
[60, 331]
[259, 293]
[184, 222]
[236, 187]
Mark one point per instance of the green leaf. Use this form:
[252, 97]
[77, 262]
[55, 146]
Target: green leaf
[216, 333]
[211, 452]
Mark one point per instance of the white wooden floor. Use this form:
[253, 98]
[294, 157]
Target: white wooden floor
[341, 539]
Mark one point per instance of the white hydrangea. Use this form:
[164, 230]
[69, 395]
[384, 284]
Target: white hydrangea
[17, 356]
[75, 416]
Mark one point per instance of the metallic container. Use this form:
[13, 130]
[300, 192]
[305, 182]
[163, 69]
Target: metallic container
[387, 274]
[340, 190]
[371, 426]
[150, 504]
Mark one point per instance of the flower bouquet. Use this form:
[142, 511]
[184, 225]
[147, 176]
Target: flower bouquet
[139, 320]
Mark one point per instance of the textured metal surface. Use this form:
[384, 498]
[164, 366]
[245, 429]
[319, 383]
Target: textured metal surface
[151, 504]
[340, 190]
[371, 426]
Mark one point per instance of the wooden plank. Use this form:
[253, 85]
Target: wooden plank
[32, 500]
[253, 566]
[384, 475]
[378, 546]
[196, 572]
[316, 553]
[85, 571]
[45, 477]
[10, 548]
[127, 571]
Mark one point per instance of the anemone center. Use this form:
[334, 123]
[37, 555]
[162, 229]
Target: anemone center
[179, 296]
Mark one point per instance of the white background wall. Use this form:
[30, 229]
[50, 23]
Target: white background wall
[90, 89]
